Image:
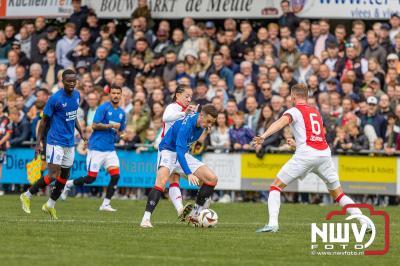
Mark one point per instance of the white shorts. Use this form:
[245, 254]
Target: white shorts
[96, 159]
[58, 155]
[298, 168]
[168, 159]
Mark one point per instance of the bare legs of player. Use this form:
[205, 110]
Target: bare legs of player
[207, 177]
[274, 203]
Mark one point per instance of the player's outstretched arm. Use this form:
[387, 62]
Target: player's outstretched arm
[42, 125]
[78, 127]
[275, 127]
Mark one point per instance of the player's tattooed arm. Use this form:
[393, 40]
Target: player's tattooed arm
[101, 126]
[42, 125]
[78, 127]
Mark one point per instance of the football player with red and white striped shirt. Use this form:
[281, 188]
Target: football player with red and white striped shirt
[175, 111]
[312, 155]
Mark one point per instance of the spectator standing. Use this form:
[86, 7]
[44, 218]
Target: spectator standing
[39, 33]
[50, 68]
[374, 49]
[20, 128]
[79, 14]
[66, 44]
[219, 136]
[288, 18]
[373, 123]
[240, 135]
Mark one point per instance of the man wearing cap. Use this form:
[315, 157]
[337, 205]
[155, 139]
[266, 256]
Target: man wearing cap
[373, 123]
[52, 37]
[375, 84]
[211, 31]
[395, 23]
[23, 59]
[393, 62]
[374, 49]
[384, 39]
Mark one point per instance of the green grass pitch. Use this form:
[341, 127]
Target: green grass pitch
[85, 236]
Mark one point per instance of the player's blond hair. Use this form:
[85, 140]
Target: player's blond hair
[300, 91]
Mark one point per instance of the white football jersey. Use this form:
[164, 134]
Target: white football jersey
[308, 131]
[172, 113]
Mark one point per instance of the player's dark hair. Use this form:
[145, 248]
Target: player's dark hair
[114, 87]
[300, 90]
[44, 90]
[209, 109]
[68, 72]
[180, 89]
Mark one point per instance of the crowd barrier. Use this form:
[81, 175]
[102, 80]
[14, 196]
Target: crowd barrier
[236, 171]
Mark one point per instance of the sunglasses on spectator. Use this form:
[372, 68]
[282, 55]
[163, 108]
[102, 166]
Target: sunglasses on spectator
[268, 89]
[349, 45]
[391, 60]
[372, 104]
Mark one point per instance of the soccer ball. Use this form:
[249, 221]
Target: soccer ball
[208, 218]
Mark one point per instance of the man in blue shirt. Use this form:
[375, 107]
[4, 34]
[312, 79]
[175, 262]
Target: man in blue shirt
[60, 113]
[109, 122]
[173, 157]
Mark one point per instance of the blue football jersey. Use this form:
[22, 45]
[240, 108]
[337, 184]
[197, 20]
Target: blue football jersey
[62, 110]
[180, 137]
[103, 140]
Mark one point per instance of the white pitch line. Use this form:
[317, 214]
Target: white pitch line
[102, 221]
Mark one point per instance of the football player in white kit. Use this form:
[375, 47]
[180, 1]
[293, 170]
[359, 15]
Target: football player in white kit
[312, 155]
[177, 110]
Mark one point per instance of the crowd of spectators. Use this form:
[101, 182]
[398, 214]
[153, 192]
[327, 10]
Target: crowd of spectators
[352, 72]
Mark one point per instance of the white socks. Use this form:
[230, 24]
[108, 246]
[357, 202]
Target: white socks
[28, 194]
[146, 216]
[51, 203]
[343, 200]
[175, 196]
[106, 202]
[70, 183]
[274, 203]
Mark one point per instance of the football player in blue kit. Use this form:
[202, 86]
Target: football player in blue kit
[173, 157]
[60, 113]
[109, 122]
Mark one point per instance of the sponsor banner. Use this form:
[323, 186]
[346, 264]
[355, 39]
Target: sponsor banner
[137, 170]
[369, 188]
[358, 175]
[227, 168]
[368, 169]
[258, 174]
[264, 168]
[398, 177]
[34, 8]
[177, 9]
[263, 185]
